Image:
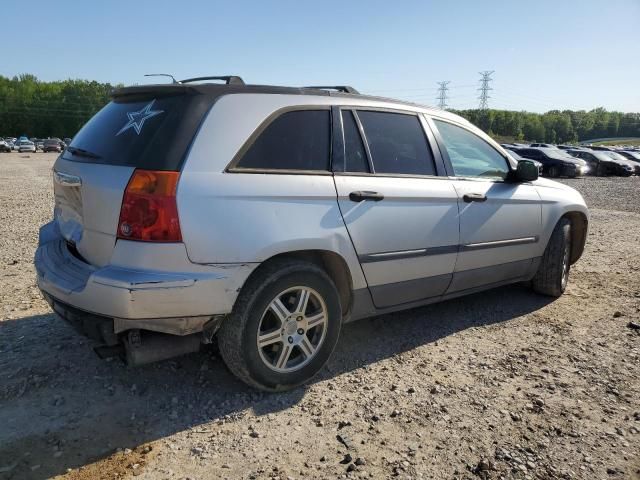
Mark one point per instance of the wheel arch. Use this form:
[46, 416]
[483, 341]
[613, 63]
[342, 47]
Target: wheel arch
[579, 228]
[331, 262]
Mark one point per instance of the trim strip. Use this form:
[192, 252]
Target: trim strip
[499, 243]
[442, 250]
[421, 252]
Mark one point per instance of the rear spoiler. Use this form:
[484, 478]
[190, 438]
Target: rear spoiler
[155, 90]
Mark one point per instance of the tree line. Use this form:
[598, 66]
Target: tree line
[39, 109]
[555, 126]
[58, 109]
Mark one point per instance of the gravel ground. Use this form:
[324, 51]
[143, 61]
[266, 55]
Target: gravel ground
[503, 384]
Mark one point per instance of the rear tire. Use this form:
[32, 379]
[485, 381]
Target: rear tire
[274, 348]
[553, 273]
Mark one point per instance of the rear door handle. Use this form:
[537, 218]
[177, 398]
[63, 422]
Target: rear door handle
[365, 195]
[474, 197]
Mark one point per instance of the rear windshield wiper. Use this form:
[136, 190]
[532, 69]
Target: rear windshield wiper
[81, 152]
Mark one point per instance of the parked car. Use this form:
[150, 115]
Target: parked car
[542, 145]
[602, 164]
[267, 217]
[39, 145]
[632, 155]
[52, 145]
[556, 162]
[514, 154]
[26, 146]
[4, 146]
[624, 161]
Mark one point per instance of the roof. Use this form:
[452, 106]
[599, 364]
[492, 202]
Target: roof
[217, 90]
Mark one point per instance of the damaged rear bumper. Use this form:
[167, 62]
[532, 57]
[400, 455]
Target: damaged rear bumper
[176, 302]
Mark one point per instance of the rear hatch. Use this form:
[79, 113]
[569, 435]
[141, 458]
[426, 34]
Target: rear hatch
[139, 129]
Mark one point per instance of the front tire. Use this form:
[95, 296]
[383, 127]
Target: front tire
[284, 326]
[553, 273]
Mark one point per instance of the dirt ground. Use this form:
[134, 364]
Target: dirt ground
[502, 384]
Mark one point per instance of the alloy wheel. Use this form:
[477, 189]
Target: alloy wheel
[292, 329]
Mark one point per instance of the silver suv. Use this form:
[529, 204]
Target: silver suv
[266, 217]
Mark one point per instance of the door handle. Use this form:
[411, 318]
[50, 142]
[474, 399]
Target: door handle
[474, 197]
[365, 195]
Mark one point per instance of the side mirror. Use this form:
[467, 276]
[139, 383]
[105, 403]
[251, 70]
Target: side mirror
[527, 171]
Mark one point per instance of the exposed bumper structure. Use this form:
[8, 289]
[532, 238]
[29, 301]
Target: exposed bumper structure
[173, 301]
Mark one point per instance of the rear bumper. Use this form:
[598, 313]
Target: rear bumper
[179, 302]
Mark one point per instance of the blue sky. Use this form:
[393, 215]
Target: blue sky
[546, 54]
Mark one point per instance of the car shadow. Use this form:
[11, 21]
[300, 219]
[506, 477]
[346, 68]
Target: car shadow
[61, 407]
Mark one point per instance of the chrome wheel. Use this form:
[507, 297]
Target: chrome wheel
[292, 329]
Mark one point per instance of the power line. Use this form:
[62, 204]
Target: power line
[484, 89]
[442, 94]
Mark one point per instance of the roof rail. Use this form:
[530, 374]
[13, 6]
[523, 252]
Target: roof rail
[338, 88]
[229, 79]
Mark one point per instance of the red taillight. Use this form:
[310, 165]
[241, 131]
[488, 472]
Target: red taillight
[149, 212]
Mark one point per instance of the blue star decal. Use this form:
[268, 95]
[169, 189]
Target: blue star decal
[137, 119]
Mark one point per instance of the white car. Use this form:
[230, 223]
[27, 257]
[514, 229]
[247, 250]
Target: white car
[267, 217]
[24, 146]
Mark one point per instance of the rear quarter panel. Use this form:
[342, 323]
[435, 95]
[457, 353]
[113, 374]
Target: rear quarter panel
[249, 217]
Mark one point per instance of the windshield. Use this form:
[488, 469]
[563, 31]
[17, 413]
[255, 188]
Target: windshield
[616, 156]
[558, 154]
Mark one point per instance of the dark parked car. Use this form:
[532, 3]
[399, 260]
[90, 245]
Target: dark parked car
[514, 154]
[603, 164]
[624, 160]
[556, 162]
[634, 156]
[4, 146]
[52, 145]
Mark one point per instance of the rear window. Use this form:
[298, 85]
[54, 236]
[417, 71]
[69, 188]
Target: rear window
[296, 140]
[144, 132]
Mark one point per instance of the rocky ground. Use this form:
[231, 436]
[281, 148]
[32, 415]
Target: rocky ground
[503, 384]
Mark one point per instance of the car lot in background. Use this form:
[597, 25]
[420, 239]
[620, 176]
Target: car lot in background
[602, 164]
[555, 162]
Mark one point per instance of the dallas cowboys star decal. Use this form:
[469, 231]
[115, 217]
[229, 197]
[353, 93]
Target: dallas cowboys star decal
[137, 119]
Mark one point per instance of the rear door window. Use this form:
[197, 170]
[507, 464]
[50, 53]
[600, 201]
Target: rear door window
[298, 140]
[397, 143]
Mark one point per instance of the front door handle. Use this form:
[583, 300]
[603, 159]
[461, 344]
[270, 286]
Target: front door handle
[365, 195]
[474, 197]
